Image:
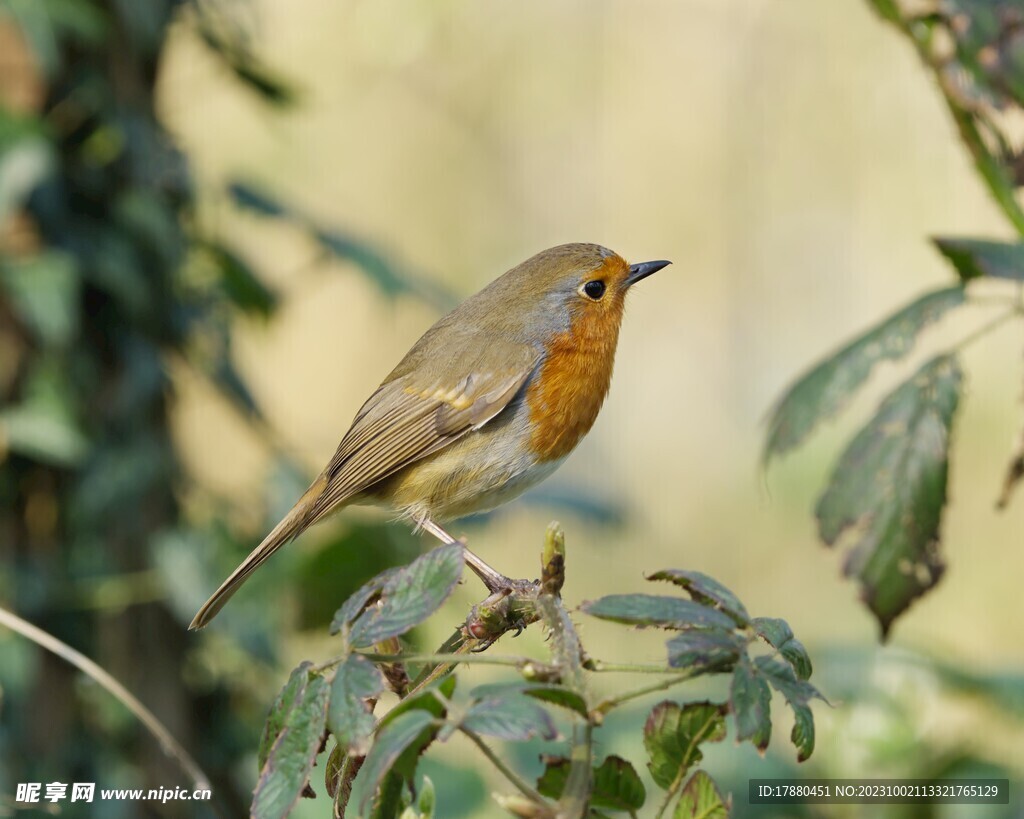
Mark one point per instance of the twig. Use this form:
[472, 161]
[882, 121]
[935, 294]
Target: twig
[614, 702]
[520, 784]
[987, 328]
[449, 659]
[168, 743]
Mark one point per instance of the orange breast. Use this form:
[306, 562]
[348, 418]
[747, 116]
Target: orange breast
[570, 388]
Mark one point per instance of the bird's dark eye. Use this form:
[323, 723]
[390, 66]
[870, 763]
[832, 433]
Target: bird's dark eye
[594, 289]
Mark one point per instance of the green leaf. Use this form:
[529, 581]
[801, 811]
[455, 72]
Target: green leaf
[389, 278]
[798, 694]
[974, 258]
[887, 9]
[356, 602]
[410, 596]
[823, 392]
[399, 741]
[426, 800]
[45, 292]
[750, 701]
[239, 282]
[349, 717]
[700, 799]
[513, 717]
[774, 630]
[797, 655]
[672, 737]
[26, 160]
[43, 426]
[615, 785]
[778, 634]
[251, 198]
[297, 682]
[704, 649]
[290, 757]
[706, 590]
[433, 699]
[547, 692]
[653, 610]
[890, 488]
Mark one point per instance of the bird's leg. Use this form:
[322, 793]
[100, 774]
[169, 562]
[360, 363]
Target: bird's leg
[492, 578]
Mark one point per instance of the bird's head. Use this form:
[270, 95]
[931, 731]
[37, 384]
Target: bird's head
[579, 286]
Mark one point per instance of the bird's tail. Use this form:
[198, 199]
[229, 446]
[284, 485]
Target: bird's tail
[293, 524]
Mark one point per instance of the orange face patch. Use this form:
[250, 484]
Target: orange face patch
[567, 394]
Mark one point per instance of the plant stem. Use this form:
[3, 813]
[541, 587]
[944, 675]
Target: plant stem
[576, 796]
[520, 784]
[600, 666]
[168, 743]
[448, 659]
[987, 328]
[614, 702]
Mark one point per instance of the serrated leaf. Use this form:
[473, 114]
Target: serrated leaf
[750, 701]
[673, 734]
[802, 735]
[290, 757]
[513, 717]
[706, 590]
[403, 737]
[410, 596]
[974, 258]
[822, 393]
[356, 602]
[777, 633]
[774, 630]
[798, 694]
[890, 487]
[700, 799]
[654, 610]
[794, 651]
[615, 784]
[547, 692]
[704, 649]
[297, 682]
[348, 716]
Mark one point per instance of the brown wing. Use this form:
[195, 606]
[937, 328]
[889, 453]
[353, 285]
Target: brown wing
[410, 416]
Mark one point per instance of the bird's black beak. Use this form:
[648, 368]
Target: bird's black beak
[643, 270]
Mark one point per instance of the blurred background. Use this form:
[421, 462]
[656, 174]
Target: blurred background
[223, 222]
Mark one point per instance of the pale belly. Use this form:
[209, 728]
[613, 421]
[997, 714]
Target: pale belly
[483, 470]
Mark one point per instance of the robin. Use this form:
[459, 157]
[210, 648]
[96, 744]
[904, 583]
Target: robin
[491, 400]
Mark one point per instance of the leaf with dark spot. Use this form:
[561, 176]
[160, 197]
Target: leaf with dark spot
[704, 650]
[348, 716]
[296, 725]
[706, 590]
[750, 702]
[890, 488]
[410, 596]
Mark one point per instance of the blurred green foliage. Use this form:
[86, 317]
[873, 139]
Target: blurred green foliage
[887, 493]
[107, 279]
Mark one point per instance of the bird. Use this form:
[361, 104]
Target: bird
[489, 401]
